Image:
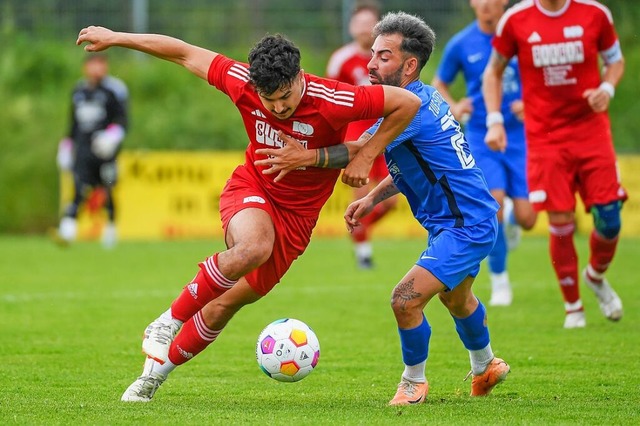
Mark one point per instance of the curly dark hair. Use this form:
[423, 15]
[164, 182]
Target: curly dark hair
[274, 62]
[418, 39]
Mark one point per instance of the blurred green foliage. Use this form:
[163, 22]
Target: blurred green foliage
[170, 109]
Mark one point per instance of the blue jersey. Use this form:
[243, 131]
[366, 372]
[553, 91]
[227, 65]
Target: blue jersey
[431, 164]
[469, 51]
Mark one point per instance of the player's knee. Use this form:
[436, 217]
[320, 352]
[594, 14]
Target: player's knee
[404, 302]
[453, 302]
[606, 219]
[253, 255]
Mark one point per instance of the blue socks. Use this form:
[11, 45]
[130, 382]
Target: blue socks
[415, 343]
[473, 329]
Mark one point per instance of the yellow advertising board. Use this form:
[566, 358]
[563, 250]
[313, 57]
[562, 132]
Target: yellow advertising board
[175, 194]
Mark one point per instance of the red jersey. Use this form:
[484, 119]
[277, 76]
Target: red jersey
[349, 65]
[319, 120]
[558, 60]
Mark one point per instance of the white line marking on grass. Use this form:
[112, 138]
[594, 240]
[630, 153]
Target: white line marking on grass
[87, 295]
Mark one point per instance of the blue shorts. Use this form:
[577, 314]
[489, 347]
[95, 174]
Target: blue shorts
[507, 170]
[455, 253]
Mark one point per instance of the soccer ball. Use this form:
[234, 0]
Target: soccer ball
[287, 350]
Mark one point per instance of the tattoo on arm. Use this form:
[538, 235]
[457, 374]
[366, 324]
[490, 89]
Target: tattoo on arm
[497, 60]
[403, 293]
[388, 191]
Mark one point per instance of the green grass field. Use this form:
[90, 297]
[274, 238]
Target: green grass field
[71, 322]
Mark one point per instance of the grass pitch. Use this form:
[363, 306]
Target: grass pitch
[71, 321]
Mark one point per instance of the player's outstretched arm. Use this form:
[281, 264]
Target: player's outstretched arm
[492, 92]
[194, 58]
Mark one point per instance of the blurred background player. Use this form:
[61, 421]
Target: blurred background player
[468, 52]
[349, 64]
[558, 44]
[98, 124]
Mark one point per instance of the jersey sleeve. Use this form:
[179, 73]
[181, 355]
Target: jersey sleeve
[352, 103]
[449, 63]
[410, 132]
[608, 44]
[228, 76]
[504, 41]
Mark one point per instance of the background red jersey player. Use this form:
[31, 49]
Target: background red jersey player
[349, 64]
[268, 221]
[558, 44]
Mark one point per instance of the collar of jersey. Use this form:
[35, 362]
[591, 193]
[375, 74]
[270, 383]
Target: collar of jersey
[550, 13]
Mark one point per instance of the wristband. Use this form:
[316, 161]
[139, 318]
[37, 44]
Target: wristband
[608, 87]
[494, 118]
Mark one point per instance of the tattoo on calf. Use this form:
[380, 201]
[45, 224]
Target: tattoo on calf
[403, 293]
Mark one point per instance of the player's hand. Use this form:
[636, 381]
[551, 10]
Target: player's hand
[356, 174]
[598, 99]
[355, 211]
[97, 38]
[462, 110]
[496, 138]
[291, 156]
[517, 108]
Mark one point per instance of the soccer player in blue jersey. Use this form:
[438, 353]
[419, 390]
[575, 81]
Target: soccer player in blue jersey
[468, 53]
[431, 164]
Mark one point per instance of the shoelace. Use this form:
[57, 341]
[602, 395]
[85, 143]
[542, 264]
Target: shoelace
[149, 385]
[163, 334]
[408, 388]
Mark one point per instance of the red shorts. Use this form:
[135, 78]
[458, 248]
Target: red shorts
[292, 231]
[556, 173]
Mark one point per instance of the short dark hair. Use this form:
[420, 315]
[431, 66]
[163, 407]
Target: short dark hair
[418, 38]
[274, 63]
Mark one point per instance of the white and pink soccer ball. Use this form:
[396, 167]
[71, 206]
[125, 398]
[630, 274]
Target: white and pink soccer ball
[287, 350]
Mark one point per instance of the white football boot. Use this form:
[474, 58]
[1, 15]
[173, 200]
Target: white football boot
[575, 320]
[501, 294]
[610, 303]
[145, 386]
[109, 236]
[158, 337]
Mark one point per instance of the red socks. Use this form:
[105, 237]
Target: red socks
[565, 262]
[602, 251]
[208, 284]
[193, 338]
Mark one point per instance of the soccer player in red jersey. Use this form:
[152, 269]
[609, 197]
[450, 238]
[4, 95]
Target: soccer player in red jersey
[349, 64]
[570, 149]
[267, 221]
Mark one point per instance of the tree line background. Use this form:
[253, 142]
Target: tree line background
[171, 109]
